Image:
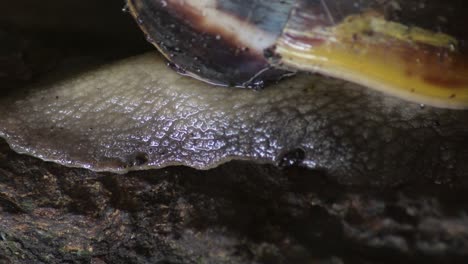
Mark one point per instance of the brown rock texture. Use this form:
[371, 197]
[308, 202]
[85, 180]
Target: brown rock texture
[236, 213]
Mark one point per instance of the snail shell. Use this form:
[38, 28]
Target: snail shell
[202, 38]
[411, 49]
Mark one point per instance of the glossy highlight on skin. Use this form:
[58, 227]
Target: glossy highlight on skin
[139, 114]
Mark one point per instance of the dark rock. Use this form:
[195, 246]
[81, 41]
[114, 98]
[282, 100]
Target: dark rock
[237, 213]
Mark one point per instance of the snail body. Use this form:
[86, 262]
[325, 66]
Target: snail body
[395, 47]
[138, 114]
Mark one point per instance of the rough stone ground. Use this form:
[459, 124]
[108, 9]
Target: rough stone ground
[237, 213]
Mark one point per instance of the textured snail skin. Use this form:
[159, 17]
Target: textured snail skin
[139, 114]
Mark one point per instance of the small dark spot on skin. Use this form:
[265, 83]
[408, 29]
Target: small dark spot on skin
[56, 97]
[292, 158]
[452, 96]
[140, 159]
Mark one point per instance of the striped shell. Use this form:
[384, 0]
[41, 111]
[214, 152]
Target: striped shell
[415, 50]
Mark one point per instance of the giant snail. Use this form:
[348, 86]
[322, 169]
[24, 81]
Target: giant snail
[415, 49]
[140, 114]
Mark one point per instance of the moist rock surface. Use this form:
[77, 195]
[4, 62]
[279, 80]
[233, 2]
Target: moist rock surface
[237, 213]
